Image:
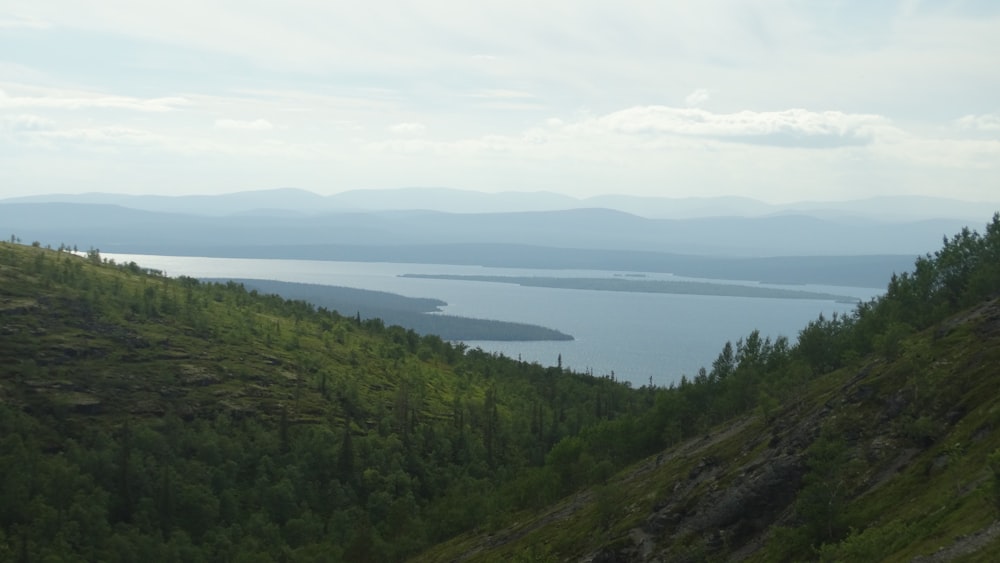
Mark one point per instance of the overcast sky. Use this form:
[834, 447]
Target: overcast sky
[781, 100]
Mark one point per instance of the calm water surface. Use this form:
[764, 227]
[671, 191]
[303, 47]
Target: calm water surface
[637, 336]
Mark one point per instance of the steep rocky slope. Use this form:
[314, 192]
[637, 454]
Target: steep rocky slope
[886, 459]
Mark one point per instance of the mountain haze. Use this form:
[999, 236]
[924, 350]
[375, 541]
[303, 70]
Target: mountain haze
[784, 249]
[448, 200]
[594, 238]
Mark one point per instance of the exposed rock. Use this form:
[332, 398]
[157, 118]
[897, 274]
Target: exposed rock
[83, 403]
[895, 405]
[963, 545]
[753, 501]
[196, 376]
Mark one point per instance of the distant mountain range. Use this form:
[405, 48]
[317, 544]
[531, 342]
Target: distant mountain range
[721, 238]
[120, 229]
[296, 201]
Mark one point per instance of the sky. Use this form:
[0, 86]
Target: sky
[779, 100]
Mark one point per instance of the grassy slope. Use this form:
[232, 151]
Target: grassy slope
[912, 477]
[238, 356]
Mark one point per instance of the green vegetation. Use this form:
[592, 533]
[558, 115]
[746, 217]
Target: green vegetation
[872, 438]
[645, 286]
[144, 417]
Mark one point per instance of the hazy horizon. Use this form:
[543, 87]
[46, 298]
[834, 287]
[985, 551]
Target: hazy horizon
[452, 200]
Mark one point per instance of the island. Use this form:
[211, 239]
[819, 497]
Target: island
[646, 286]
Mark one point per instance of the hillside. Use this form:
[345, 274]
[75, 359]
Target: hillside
[149, 418]
[882, 445]
[882, 460]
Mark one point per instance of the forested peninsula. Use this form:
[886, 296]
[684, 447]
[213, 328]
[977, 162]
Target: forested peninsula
[419, 314]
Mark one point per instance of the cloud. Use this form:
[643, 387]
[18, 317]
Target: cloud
[943, 153]
[374, 100]
[23, 23]
[652, 136]
[696, 98]
[502, 94]
[985, 122]
[241, 125]
[116, 138]
[793, 127]
[408, 128]
[469, 147]
[13, 96]
[503, 99]
[112, 134]
[25, 122]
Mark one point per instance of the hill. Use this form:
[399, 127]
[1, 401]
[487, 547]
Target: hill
[150, 418]
[880, 461]
[874, 439]
[143, 417]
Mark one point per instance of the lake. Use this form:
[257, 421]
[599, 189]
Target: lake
[638, 336]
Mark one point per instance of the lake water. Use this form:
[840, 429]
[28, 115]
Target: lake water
[638, 336]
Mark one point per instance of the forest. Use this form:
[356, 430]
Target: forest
[144, 417]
